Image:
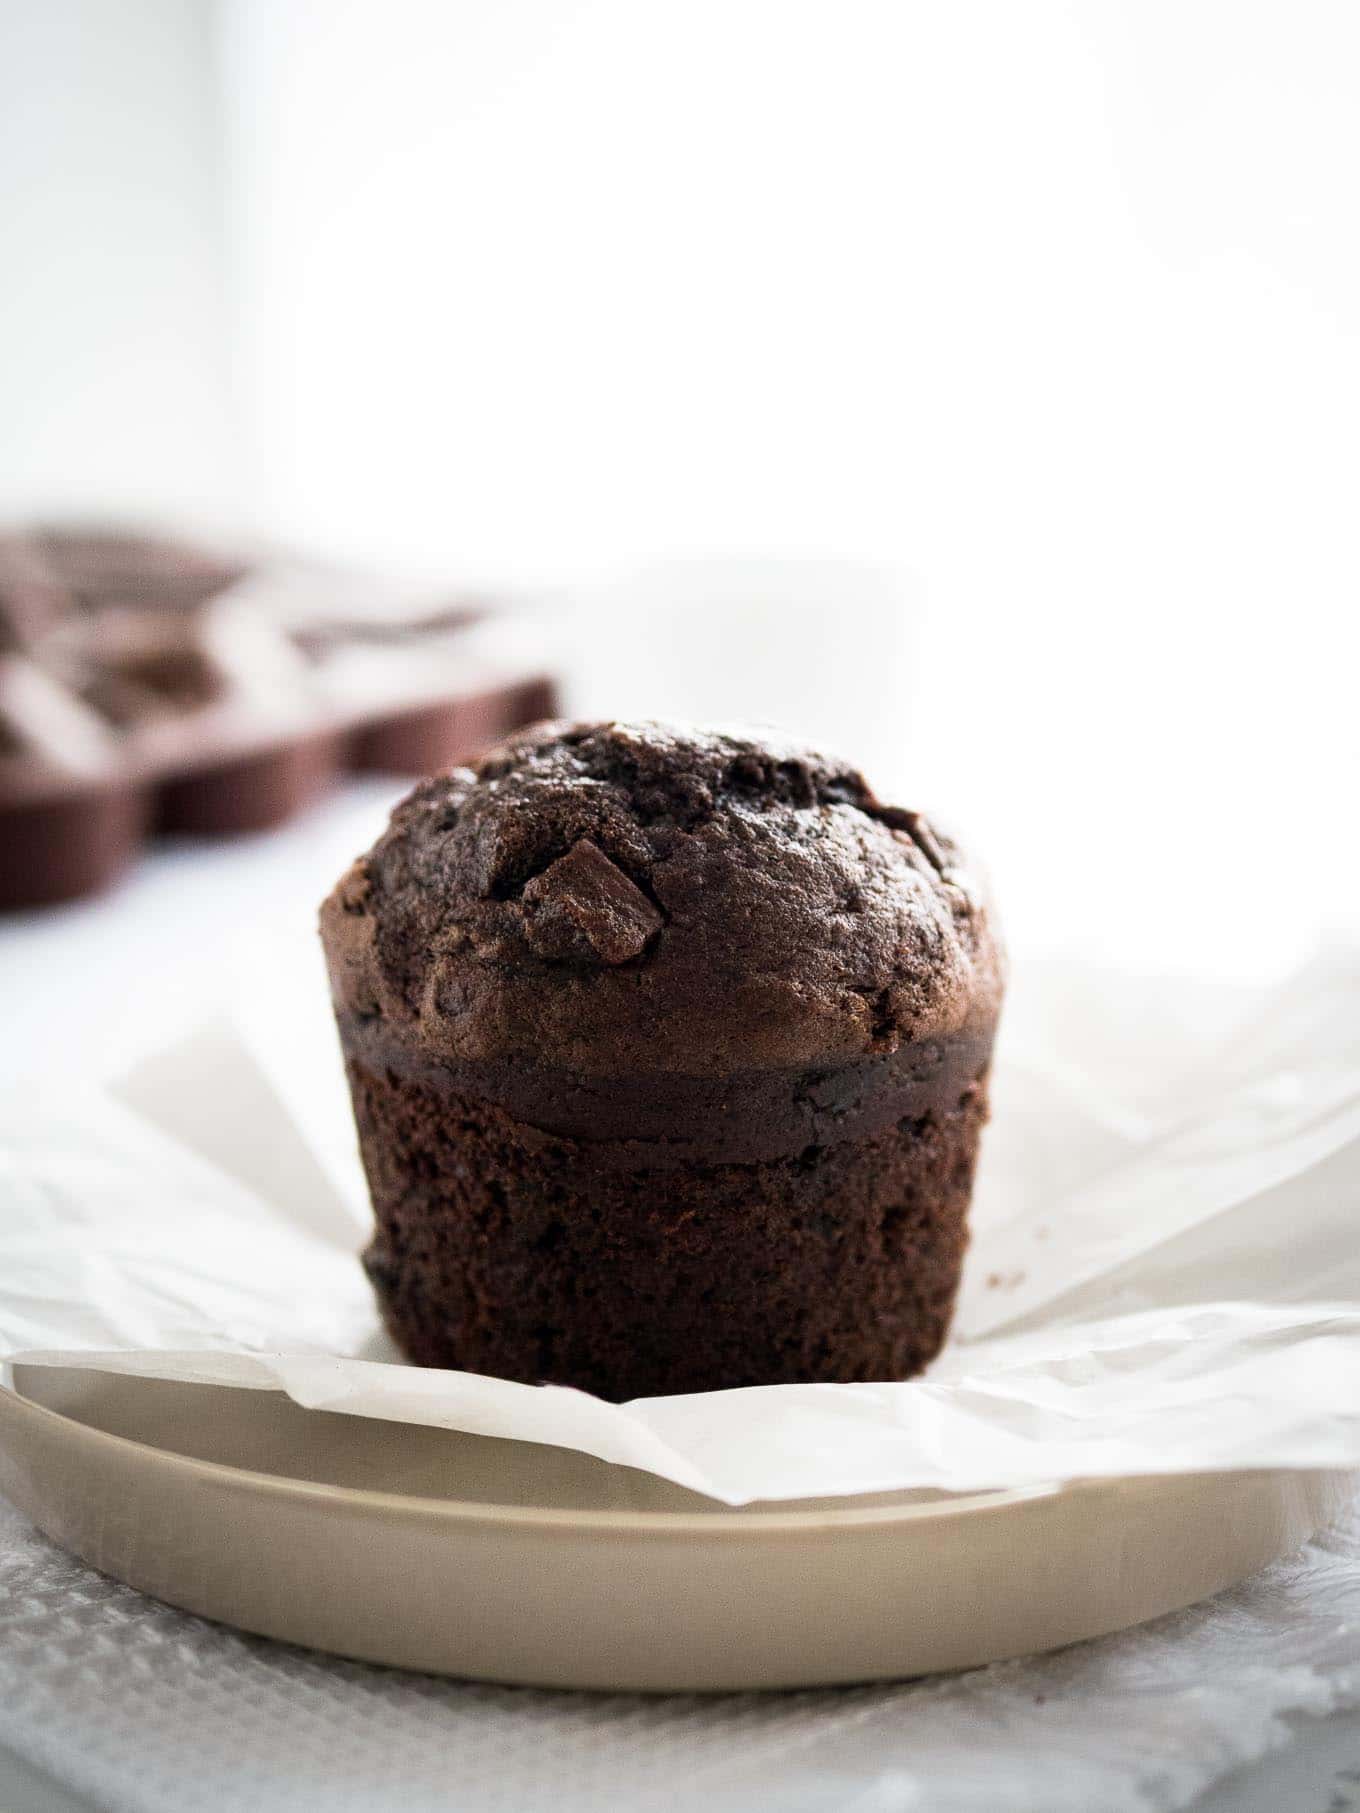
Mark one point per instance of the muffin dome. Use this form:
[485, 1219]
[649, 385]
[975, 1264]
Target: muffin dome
[616, 898]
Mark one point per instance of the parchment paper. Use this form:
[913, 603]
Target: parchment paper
[1165, 1274]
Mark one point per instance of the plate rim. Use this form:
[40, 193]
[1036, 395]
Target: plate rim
[726, 1521]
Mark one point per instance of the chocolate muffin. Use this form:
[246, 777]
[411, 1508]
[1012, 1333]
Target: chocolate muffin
[668, 1051]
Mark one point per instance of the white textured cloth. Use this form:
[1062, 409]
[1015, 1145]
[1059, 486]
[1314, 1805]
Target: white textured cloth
[147, 1710]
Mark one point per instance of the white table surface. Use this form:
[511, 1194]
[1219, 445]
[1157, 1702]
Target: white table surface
[90, 987]
[1318, 1773]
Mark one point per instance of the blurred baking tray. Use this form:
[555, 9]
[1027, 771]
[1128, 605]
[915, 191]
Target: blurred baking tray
[505, 1561]
[69, 829]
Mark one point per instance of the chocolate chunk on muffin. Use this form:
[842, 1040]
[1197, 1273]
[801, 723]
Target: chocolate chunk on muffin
[668, 1051]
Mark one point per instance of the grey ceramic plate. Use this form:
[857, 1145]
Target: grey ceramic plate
[512, 1562]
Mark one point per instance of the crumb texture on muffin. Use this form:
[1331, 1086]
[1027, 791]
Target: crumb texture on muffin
[510, 1251]
[620, 898]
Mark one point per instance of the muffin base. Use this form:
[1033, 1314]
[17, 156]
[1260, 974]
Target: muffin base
[528, 1255]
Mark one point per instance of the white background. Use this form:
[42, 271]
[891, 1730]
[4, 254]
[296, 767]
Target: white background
[1044, 318]
[1036, 326]
[116, 317]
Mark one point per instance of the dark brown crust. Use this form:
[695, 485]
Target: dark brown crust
[613, 899]
[504, 1250]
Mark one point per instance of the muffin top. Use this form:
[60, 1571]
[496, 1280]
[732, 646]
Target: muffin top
[612, 898]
